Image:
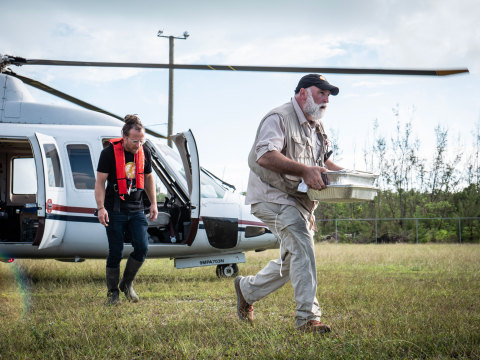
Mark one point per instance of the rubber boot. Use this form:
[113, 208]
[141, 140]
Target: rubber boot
[113, 275]
[128, 276]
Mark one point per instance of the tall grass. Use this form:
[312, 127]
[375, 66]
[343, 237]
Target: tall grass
[382, 301]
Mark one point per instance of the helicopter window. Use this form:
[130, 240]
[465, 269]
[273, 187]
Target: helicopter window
[81, 165]
[209, 188]
[24, 176]
[54, 169]
[173, 159]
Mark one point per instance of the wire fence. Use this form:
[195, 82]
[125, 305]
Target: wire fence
[413, 230]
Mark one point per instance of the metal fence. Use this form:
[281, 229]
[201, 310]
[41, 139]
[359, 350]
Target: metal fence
[375, 222]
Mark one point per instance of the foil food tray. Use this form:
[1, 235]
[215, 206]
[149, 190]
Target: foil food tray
[349, 177]
[343, 193]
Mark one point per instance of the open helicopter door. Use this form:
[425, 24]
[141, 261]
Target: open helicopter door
[51, 190]
[187, 147]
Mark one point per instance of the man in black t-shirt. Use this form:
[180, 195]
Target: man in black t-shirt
[106, 164]
[126, 167]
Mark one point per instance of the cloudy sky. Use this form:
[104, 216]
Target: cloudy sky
[223, 109]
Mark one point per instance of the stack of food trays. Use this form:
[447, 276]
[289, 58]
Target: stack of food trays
[346, 186]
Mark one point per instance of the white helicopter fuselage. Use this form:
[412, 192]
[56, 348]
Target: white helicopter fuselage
[48, 159]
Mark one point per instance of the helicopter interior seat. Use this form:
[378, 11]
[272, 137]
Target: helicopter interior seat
[162, 220]
[167, 228]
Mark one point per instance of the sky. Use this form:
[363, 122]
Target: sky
[223, 109]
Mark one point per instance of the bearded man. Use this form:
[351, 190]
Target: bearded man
[290, 145]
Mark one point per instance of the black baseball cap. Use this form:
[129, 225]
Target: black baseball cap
[318, 81]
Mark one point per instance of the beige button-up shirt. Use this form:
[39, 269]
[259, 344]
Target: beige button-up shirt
[272, 137]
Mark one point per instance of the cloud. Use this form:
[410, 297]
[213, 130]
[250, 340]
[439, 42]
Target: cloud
[283, 50]
[370, 33]
[432, 34]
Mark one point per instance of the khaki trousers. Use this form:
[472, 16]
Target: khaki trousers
[296, 262]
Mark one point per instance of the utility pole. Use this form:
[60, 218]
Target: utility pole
[170, 78]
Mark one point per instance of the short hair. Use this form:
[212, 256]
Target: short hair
[131, 122]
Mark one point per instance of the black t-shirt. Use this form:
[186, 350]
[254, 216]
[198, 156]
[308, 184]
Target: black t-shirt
[106, 164]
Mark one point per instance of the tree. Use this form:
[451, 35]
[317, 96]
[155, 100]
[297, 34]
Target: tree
[399, 166]
[443, 176]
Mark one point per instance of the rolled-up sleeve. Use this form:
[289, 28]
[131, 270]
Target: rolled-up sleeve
[271, 136]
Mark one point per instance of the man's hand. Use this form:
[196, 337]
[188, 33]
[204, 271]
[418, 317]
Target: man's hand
[153, 212]
[103, 216]
[313, 177]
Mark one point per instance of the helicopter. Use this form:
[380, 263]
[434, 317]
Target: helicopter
[48, 154]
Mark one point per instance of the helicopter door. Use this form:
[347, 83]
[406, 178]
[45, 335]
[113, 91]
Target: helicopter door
[187, 147]
[54, 189]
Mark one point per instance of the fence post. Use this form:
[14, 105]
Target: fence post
[336, 231]
[460, 230]
[416, 231]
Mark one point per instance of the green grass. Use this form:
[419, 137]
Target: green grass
[382, 301]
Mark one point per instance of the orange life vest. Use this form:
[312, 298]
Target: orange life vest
[138, 158]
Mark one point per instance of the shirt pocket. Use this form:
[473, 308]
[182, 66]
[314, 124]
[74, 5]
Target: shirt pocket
[302, 149]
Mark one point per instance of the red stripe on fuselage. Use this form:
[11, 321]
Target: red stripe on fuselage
[85, 210]
[73, 209]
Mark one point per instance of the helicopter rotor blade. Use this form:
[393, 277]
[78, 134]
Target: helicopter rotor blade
[293, 69]
[41, 86]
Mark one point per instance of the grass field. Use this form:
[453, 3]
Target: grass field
[382, 301]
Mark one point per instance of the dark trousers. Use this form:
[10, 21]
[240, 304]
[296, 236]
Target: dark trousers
[135, 223]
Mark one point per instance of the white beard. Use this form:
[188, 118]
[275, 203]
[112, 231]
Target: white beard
[312, 109]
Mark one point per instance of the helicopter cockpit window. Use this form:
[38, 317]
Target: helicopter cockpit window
[173, 159]
[208, 188]
[54, 169]
[24, 179]
[81, 166]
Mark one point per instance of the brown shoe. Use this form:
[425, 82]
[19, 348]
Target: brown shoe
[244, 309]
[315, 326]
